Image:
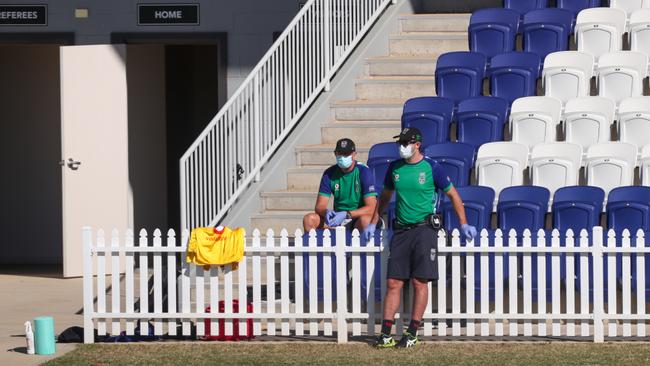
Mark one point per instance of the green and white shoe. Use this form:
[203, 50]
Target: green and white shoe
[407, 341]
[384, 341]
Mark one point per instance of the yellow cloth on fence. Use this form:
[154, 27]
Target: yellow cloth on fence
[209, 246]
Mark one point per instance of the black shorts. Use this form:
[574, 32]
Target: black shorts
[413, 254]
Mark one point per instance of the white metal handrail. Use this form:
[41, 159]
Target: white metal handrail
[231, 151]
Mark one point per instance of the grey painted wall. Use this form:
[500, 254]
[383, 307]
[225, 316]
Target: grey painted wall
[249, 25]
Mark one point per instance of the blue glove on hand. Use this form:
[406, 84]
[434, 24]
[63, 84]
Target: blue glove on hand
[369, 232]
[335, 218]
[469, 231]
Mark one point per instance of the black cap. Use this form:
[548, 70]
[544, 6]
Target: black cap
[344, 147]
[409, 135]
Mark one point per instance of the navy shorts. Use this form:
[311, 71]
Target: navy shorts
[413, 254]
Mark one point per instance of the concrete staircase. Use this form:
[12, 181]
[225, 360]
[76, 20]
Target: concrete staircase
[374, 116]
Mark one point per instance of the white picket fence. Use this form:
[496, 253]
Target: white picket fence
[464, 297]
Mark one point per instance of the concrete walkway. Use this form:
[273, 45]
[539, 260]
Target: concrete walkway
[28, 292]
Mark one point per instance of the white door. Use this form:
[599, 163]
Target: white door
[94, 123]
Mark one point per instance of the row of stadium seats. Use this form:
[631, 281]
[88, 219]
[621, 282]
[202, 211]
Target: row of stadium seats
[499, 165]
[565, 75]
[573, 207]
[533, 120]
[597, 31]
[574, 6]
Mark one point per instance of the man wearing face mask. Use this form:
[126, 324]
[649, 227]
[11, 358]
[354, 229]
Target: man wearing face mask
[415, 179]
[351, 184]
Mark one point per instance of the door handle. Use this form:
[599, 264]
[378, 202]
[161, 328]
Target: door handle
[72, 164]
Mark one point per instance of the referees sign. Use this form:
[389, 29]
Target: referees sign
[23, 14]
[168, 14]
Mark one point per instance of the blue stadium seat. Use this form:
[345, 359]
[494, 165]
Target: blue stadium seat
[577, 208]
[431, 115]
[524, 6]
[477, 201]
[522, 207]
[547, 30]
[459, 75]
[478, 208]
[514, 75]
[575, 6]
[493, 31]
[481, 119]
[379, 157]
[629, 208]
[456, 158]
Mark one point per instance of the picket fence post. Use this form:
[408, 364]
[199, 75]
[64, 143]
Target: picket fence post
[89, 327]
[597, 255]
[341, 287]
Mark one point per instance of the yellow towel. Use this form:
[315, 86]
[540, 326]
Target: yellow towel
[209, 246]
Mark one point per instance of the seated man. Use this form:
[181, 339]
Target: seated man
[351, 184]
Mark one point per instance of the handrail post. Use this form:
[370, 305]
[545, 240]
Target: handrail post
[327, 42]
[258, 125]
[183, 192]
[341, 287]
[597, 255]
[89, 327]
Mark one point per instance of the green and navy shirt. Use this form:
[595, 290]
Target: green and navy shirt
[349, 189]
[415, 186]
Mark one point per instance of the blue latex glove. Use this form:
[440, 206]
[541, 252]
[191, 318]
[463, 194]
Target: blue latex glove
[337, 218]
[329, 215]
[369, 232]
[469, 231]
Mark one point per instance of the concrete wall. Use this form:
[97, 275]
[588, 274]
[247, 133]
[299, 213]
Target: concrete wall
[249, 25]
[30, 144]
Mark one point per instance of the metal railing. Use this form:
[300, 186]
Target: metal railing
[230, 152]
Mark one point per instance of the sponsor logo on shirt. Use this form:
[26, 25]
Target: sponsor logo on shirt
[396, 177]
[336, 187]
[422, 178]
[371, 188]
[356, 187]
[433, 254]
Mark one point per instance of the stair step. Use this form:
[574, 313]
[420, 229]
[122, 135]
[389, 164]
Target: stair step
[394, 87]
[427, 43]
[361, 132]
[323, 154]
[278, 220]
[368, 109]
[305, 178]
[401, 66]
[289, 200]
[434, 22]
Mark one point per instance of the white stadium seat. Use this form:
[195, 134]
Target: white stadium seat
[535, 119]
[600, 30]
[555, 165]
[628, 6]
[610, 165]
[644, 162]
[621, 74]
[567, 74]
[634, 121]
[639, 32]
[501, 164]
[587, 120]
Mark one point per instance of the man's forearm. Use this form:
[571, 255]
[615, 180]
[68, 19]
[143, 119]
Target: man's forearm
[459, 209]
[384, 200]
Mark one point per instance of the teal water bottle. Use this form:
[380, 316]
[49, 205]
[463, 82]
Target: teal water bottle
[44, 335]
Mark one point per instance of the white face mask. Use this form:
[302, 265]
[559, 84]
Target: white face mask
[344, 162]
[406, 151]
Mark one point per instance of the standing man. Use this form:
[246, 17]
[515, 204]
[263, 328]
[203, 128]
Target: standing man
[351, 184]
[415, 178]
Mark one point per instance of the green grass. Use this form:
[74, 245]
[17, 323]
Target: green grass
[270, 353]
